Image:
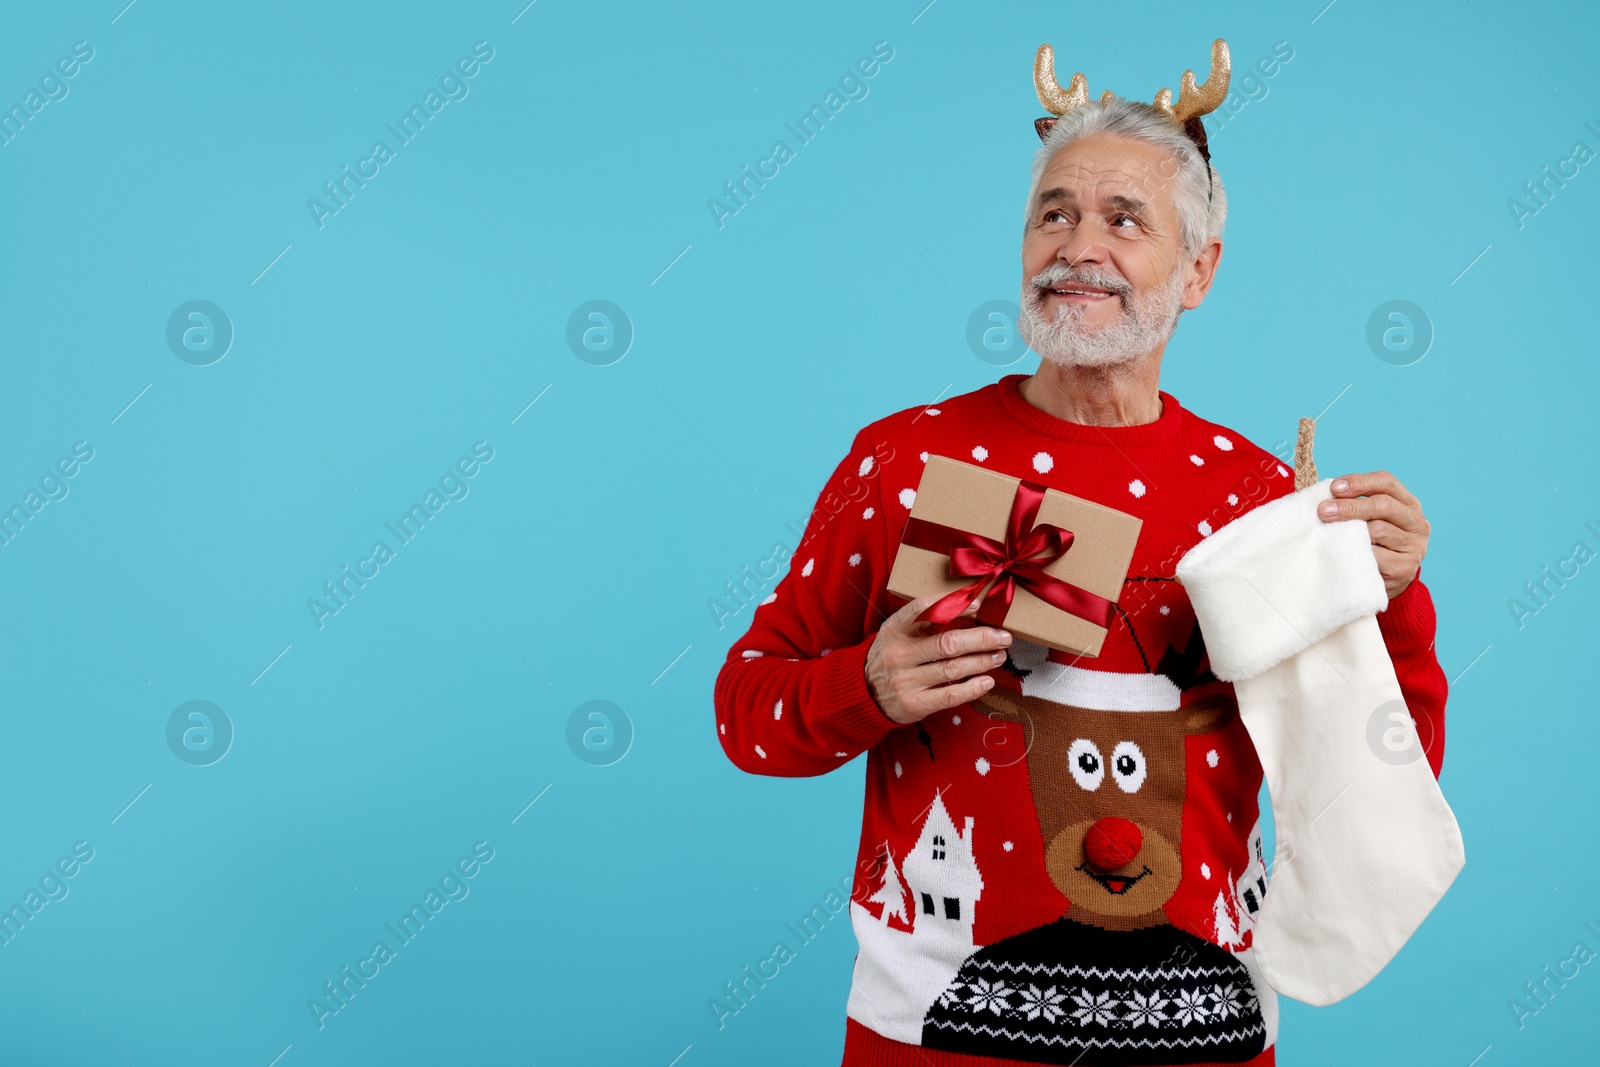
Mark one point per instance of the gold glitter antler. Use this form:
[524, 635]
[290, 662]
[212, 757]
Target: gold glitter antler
[1056, 100]
[1195, 101]
[1305, 467]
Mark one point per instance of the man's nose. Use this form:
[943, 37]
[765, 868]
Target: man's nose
[1081, 246]
[1111, 843]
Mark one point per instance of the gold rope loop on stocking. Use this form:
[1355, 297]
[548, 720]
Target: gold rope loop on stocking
[1305, 468]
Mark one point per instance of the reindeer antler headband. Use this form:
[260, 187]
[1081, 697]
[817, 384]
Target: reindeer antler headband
[1193, 101]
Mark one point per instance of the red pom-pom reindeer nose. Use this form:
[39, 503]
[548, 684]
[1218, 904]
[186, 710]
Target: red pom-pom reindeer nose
[1112, 843]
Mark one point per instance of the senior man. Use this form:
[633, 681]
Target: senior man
[983, 939]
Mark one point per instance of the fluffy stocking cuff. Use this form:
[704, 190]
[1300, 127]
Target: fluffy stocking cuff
[1321, 575]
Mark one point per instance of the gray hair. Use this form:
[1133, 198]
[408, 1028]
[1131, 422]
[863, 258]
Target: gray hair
[1197, 219]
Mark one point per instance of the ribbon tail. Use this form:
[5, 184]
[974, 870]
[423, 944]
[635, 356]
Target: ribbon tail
[950, 606]
[992, 612]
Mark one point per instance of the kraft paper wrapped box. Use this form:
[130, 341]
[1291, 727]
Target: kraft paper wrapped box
[975, 531]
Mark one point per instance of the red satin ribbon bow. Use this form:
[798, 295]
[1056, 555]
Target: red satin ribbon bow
[1020, 560]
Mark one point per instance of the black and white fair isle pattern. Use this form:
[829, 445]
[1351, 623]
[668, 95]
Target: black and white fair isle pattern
[1071, 993]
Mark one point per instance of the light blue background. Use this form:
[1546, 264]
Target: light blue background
[432, 309]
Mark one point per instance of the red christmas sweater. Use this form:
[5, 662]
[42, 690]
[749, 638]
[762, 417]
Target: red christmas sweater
[970, 952]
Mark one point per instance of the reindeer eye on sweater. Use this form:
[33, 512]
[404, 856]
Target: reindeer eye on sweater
[1127, 766]
[1086, 764]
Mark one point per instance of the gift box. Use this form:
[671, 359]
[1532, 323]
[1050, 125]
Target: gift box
[1045, 565]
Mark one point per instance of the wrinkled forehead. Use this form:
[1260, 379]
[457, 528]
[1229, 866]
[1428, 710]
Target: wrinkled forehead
[1101, 172]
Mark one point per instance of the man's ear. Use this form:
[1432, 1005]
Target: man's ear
[1202, 272]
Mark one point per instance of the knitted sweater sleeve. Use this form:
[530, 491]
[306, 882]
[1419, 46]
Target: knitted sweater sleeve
[791, 699]
[1408, 625]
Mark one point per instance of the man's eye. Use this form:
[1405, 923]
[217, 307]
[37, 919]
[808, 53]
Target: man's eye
[1124, 218]
[1054, 216]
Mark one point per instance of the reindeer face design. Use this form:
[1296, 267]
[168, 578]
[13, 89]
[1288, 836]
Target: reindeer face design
[1107, 785]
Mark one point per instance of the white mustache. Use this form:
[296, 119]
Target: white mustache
[1057, 274]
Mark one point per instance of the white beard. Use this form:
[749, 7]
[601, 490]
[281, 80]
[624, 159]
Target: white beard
[1146, 323]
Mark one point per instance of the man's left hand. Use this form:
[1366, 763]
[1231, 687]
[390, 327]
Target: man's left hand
[1394, 522]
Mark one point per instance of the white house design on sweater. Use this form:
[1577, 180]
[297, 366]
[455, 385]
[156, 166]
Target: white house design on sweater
[1239, 905]
[898, 975]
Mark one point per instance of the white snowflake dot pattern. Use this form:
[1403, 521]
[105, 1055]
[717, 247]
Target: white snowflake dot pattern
[1008, 845]
[1211, 758]
[865, 468]
[955, 720]
[980, 453]
[1166, 609]
[868, 513]
[1039, 1003]
[924, 457]
[1281, 472]
[1205, 528]
[1043, 462]
[1230, 816]
[722, 727]
[1145, 1009]
[1222, 443]
[752, 653]
[841, 753]
[1233, 500]
[982, 765]
[855, 559]
[1094, 1008]
[898, 772]
[777, 709]
[1136, 487]
[908, 497]
[761, 752]
[931, 411]
[1196, 460]
[984, 996]
[811, 565]
[770, 597]
[1193, 1007]
[1205, 870]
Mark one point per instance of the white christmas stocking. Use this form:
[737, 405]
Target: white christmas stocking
[1366, 844]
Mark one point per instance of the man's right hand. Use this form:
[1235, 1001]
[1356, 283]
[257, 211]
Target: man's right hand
[912, 674]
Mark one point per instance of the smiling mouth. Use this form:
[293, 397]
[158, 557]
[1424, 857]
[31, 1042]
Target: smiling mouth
[1075, 294]
[1080, 292]
[1115, 884]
